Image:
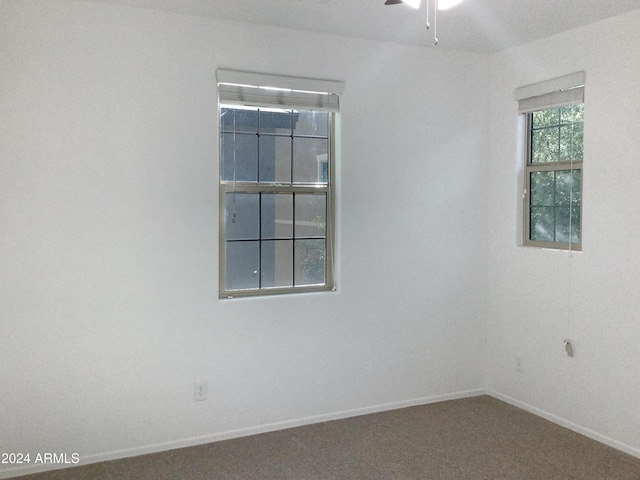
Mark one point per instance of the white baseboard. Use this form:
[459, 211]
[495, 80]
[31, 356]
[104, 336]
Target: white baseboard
[243, 432]
[567, 424]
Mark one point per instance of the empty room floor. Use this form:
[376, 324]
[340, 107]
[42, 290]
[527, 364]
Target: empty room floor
[478, 438]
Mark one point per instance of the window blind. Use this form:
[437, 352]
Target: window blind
[256, 89]
[554, 93]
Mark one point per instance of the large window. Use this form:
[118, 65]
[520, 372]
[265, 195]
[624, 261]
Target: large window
[553, 163]
[276, 188]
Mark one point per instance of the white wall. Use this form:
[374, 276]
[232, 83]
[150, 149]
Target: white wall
[539, 297]
[108, 246]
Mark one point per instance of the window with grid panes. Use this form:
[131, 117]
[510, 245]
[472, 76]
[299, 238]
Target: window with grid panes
[554, 114]
[553, 200]
[277, 177]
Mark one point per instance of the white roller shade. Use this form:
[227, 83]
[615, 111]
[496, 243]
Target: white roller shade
[554, 93]
[255, 89]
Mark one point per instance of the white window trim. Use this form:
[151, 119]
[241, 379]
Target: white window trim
[554, 93]
[281, 92]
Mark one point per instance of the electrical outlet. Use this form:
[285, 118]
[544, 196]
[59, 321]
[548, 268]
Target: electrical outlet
[199, 391]
[518, 364]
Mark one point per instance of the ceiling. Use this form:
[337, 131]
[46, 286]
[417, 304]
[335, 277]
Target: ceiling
[475, 25]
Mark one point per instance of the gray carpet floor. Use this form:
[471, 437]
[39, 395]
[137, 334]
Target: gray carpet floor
[477, 438]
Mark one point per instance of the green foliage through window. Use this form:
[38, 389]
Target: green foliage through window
[554, 176]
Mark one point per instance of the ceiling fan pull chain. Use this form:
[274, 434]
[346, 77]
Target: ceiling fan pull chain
[435, 22]
[428, 25]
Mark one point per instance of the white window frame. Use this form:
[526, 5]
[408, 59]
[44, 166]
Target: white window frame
[555, 93]
[246, 89]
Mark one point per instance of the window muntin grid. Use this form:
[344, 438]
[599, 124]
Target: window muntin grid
[553, 192]
[276, 201]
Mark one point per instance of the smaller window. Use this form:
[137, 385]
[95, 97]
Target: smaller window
[553, 199]
[554, 113]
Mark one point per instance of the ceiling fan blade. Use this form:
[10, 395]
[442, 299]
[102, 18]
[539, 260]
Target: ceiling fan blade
[393, 2]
